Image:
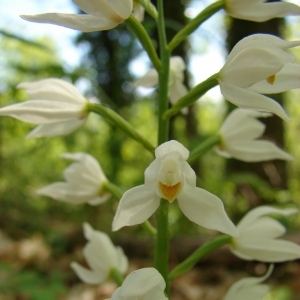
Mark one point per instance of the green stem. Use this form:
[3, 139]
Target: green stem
[195, 23]
[190, 262]
[149, 7]
[161, 251]
[114, 190]
[116, 276]
[139, 31]
[161, 254]
[149, 228]
[122, 124]
[204, 147]
[193, 95]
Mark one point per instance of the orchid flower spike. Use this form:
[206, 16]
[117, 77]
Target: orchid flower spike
[239, 135]
[100, 15]
[142, 284]
[257, 237]
[260, 10]
[169, 177]
[259, 64]
[84, 183]
[55, 105]
[101, 256]
[250, 288]
[176, 76]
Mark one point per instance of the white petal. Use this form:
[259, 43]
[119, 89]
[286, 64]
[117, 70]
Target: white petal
[122, 7]
[177, 64]
[261, 211]
[257, 292]
[122, 260]
[43, 111]
[249, 288]
[86, 171]
[268, 250]
[140, 282]
[135, 207]
[100, 253]
[260, 40]
[176, 91]
[241, 124]
[88, 276]
[155, 294]
[172, 147]
[288, 78]
[248, 99]
[254, 64]
[99, 200]
[85, 23]
[262, 12]
[53, 89]
[88, 230]
[76, 175]
[222, 152]
[257, 150]
[138, 11]
[189, 175]
[56, 129]
[264, 227]
[65, 192]
[150, 79]
[205, 209]
[99, 9]
[151, 173]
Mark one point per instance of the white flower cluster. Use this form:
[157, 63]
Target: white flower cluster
[257, 65]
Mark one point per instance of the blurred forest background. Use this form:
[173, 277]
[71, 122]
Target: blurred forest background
[39, 237]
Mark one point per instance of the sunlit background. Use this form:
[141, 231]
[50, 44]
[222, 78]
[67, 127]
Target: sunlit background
[39, 237]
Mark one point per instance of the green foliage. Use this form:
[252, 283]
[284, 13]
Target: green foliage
[30, 284]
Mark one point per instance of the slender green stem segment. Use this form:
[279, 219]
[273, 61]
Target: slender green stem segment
[195, 23]
[116, 276]
[149, 228]
[139, 31]
[193, 95]
[149, 7]
[161, 252]
[203, 147]
[114, 190]
[122, 124]
[204, 250]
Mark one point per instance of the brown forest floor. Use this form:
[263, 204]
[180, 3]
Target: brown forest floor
[25, 265]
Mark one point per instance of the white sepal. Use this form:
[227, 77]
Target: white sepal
[84, 182]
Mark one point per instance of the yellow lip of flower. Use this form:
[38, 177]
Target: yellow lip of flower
[169, 192]
[271, 79]
[169, 183]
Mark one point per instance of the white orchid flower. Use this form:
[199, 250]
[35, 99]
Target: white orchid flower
[259, 65]
[142, 284]
[176, 76]
[250, 288]
[100, 15]
[84, 182]
[101, 256]
[257, 235]
[169, 177]
[55, 105]
[239, 134]
[260, 10]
